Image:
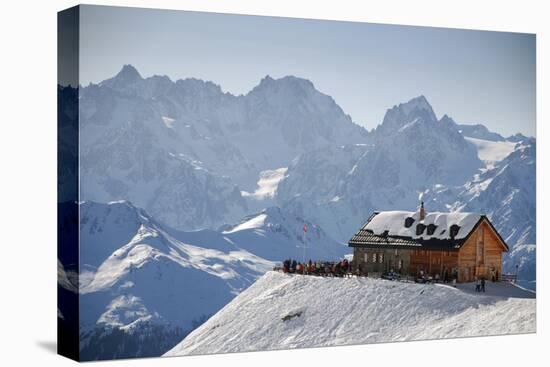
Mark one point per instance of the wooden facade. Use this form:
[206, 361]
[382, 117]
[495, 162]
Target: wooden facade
[481, 254]
[441, 262]
[477, 255]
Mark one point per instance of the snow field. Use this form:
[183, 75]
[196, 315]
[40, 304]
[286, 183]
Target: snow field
[338, 311]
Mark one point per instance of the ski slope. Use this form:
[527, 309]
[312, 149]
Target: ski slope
[283, 311]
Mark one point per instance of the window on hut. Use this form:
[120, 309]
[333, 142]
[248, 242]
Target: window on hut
[453, 231]
[431, 229]
[420, 229]
[409, 222]
[380, 258]
[374, 258]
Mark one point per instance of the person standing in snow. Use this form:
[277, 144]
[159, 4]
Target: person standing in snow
[358, 270]
[478, 285]
[483, 285]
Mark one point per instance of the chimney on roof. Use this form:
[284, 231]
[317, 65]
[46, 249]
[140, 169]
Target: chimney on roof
[422, 211]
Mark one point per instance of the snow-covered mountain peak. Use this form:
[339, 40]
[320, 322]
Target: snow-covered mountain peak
[417, 103]
[519, 137]
[199, 87]
[266, 80]
[127, 76]
[447, 119]
[129, 72]
[479, 131]
[291, 86]
[421, 148]
[417, 110]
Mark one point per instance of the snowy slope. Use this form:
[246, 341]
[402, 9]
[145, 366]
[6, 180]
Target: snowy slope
[276, 235]
[492, 151]
[479, 131]
[139, 277]
[524, 255]
[137, 273]
[507, 194]
[337, 311]
[505, 191]
[267, 184]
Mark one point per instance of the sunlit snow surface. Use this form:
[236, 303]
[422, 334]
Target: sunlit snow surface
[254, 223]
[492, 151]
[394, 223]
[338, 311]
[267, 184]
[135, 270]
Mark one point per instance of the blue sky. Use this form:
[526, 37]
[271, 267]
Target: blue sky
[473, 76]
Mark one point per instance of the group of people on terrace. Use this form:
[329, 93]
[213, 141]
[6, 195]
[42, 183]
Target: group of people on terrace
[321, 268]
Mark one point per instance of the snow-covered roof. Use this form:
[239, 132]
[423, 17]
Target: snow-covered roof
[405, 229]
[394, 223]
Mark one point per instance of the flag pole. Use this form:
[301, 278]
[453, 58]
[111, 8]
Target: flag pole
[304, 249]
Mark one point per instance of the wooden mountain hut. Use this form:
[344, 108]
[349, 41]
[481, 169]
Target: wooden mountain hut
[464, 246]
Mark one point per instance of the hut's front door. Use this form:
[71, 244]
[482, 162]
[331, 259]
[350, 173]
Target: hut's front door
[466, 274]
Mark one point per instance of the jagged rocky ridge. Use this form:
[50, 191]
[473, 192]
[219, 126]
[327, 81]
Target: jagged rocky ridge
[179, 149]
[187, 152]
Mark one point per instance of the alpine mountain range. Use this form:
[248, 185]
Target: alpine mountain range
[189, 194]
